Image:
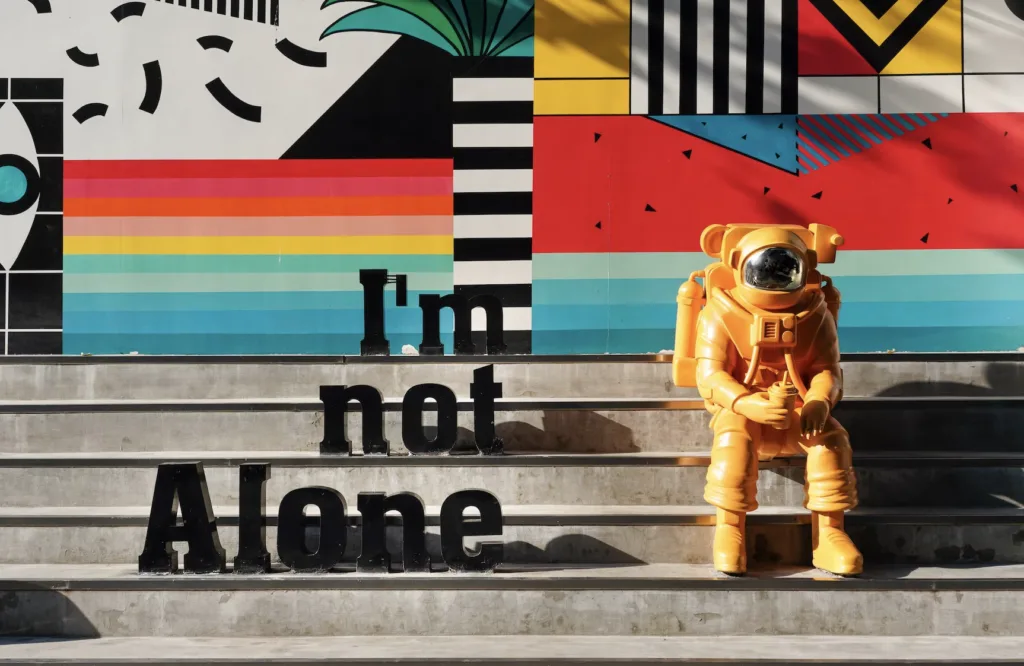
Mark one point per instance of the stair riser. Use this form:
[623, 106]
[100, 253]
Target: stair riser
[889, 612]
[590, 485]
[141, 381]
[767, 544]
[888, 427]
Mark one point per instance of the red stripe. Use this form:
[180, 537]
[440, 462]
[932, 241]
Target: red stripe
[830, 145]
[851, 143]
[809, 158]
[255, 168]
[862, 130]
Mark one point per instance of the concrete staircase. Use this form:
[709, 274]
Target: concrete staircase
[607, 538]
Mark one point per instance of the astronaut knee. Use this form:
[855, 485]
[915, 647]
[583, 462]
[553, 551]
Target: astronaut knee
[732, 474]
[831, 483]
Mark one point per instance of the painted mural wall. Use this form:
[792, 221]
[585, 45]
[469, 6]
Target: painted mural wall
[210, 176]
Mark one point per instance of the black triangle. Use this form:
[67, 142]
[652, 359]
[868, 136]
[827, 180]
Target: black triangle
[817, 195]
[1006, 134]
[744, 137]
[924, 239]
[650, 209]
[950, 201]
[777, 156]
[703, 123]
[598, 225]
[597, 137]
[395, 110]
[928, 142]
[688, 153]
[1014, 187]
[782, 125]
[767, 190]
[878, 7]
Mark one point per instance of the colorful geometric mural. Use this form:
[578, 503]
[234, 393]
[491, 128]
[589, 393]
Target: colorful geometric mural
[229, 167]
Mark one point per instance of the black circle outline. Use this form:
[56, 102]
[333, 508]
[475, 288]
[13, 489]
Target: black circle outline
[32, 187]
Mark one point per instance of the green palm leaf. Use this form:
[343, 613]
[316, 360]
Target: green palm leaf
[477, 12]
[521, 31]
[458, 8]
[512, 13]
[448, 9]
[415, 18]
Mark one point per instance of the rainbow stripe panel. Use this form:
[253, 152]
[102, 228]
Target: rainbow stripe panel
[248, 257]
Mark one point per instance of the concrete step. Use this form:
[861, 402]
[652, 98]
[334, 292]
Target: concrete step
[566, 534]
[127, 479]
[581, 425]
[514, 651]
[141, 377]
[646, 600]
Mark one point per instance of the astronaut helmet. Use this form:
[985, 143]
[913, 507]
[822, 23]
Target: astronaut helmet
[771, 268]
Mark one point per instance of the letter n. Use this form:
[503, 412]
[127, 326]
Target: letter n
[371, 403]
[373, 508]
[462, 308]
[184, 484]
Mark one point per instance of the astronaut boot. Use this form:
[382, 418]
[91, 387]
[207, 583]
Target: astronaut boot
[730, 549]
[834, 552]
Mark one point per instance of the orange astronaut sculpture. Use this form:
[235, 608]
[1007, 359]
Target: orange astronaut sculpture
[758, 340]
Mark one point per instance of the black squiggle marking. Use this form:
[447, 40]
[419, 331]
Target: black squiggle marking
[128, 9]
[80, 57]
[90, 111]
[229, 101]
[215, 42]
[42, 6]
[154, 87]
[301, 56]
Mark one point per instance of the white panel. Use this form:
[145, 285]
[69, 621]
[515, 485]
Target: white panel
[16, 139]
[737, 56]
[773, 57]
[993, 37]
[506, 135]
[493, 90]
[706, 56]
[493, 226]
[639, 60]
[998, 93]
[493, 180]
[513, 319]
[673, 46]
[838, 94]
[922, 94]
[493, 272]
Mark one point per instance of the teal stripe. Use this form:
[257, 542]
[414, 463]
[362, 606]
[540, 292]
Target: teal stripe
[115, 283]
[918, 288]
[289, 263]
[849, 263]
[175, 302]
[232, 344]
[852, 315]
[400, 322]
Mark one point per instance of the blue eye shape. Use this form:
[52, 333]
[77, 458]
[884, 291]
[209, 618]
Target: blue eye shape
[19, 184]
[13, 184]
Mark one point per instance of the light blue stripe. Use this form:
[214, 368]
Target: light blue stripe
[918, 119]
[909, 126]
[816, 150]
[898, 131]
[863, 128]
[853, 132]
[931, 117]
[206, 344]
[872, 121]
[191, 301]
[819, 133]
[249, 322]
[839, 135]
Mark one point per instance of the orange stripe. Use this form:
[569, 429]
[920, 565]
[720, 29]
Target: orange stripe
[248, 207]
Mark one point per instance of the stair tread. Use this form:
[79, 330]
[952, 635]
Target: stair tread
[512, 649]
[125, 577]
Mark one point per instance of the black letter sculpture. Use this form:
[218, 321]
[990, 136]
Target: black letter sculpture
[374, 557]
[412, 419]
[371, 402]
[252, 555]
[291, 529]
[455, 526]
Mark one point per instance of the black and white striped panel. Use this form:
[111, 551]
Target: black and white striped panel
[492, 140]
[261, 11]
[713, 57]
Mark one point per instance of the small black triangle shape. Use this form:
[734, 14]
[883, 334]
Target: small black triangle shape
[598, 225]
[928, 142]
[777, 156]
[924, 239]
[782, 125]
[703, 123]
[650, 209]
[767, 190]
[950, 201]
[688, 153]
[817, 195]
[1014, 187]
[597, 137]
[744, 137]
[1006, 133]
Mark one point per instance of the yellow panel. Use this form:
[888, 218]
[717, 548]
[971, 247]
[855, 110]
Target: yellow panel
[936, 48]
[581, 38]
[581, 97]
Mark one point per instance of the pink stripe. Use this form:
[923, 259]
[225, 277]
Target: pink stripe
[419, 225]
[158, 188]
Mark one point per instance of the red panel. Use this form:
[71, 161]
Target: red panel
[885, 198]
[822, 50]
[254, 168]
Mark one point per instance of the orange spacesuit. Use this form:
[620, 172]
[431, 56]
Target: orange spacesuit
[759, 342]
